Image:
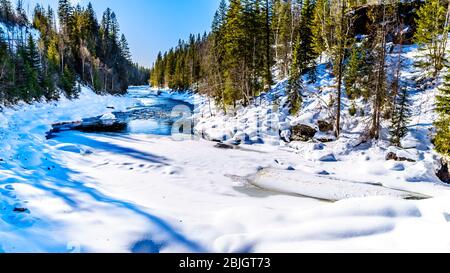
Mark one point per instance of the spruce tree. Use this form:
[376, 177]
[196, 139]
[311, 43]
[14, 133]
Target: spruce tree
[431, 35]
[442, 139]
[320, 26]
[124, 48]
[64, 14]
[400, 118]
[283, 32]
[295, 79]
[305, 50]
[357, 71]
[235, 51]
[33, 57]
[6, 12]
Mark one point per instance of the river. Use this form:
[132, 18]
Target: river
[153, 113]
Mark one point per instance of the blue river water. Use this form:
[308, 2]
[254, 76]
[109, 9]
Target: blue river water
[154, 113]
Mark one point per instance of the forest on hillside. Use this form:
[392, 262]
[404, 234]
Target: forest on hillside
[254, 43]
[53, 50]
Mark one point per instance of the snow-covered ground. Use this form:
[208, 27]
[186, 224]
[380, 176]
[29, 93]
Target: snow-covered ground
[145, 193]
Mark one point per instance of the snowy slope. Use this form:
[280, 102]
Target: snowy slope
[261, 123]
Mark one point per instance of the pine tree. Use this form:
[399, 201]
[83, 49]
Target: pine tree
[21, 16]
[305, 51]
[338, 50]
[295, 79]
[320, 26]
[33, 57]
[267, 45]
[400, 118]
[235, 53]
[283, 31]
[215, 58]
[442, 139]
[357, 71]
[65, 13]
[5, 70]
[124, 48]
[431, 35]
[6, 12]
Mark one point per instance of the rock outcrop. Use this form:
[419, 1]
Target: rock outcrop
[302, 132]
[443, 171]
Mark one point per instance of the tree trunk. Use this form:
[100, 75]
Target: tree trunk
[342, 42]
[268, 75]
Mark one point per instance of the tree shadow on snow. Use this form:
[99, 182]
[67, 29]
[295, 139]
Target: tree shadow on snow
[58, 180]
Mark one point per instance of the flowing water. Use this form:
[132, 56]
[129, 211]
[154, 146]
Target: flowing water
[153, 113]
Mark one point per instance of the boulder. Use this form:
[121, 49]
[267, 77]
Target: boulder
[443, 172]
[395, 157]
[302, 132]
[20, 210]
[225, 146]
[328, 158]
[325, 126]
[324, 137]
[323, 173]
[318, 147]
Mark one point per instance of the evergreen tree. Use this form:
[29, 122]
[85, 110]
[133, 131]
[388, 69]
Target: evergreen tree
[357, 71]
[400, 118]
[7, 15]
[442, 139]
[268, 62]
[431, 35]
[32, 56]
[305, 51]
[235, 53]
[21, 16]
[65, 15]
[295, 80]
[320, 26]
[283, 31]
[124, 48]
[32, 69]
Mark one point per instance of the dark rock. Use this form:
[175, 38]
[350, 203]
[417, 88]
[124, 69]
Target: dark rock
[326, 139]
[302, 133]
[393, 156]
[328, 158]
[325, 126]
[323, 173]
[370, 13]
[399, 167]
[225, 146]
[20, 210]
[290, 168]
[318, 147]
[443, 172]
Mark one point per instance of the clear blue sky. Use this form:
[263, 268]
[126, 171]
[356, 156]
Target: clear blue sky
[152, 25]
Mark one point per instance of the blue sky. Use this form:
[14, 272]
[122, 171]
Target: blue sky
[153, 25]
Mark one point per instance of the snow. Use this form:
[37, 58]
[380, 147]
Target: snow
[144, 193]
[108, 116]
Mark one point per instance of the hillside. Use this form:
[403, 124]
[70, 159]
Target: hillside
[44, 53]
